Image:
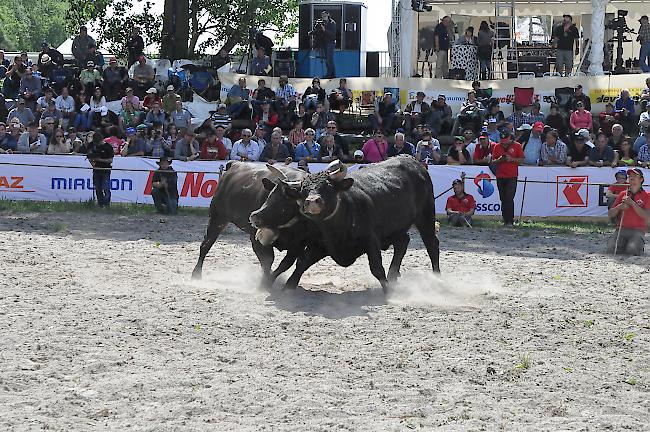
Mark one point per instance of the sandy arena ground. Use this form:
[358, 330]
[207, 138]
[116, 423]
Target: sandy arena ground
[102, 329]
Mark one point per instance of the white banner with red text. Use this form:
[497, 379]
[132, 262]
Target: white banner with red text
[549, 191]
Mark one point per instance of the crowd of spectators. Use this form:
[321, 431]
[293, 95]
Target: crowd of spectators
[51, 120]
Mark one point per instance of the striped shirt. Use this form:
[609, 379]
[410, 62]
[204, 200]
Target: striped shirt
[221, 120]
[287, 92]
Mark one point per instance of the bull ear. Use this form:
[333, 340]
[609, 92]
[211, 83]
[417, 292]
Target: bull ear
[344, 184]
[290, 191]
[268, 184]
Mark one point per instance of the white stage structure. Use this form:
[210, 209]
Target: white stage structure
[403, 34]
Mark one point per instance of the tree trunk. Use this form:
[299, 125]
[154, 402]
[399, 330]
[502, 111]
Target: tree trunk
[176, 28]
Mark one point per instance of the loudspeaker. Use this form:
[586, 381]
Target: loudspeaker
[284, 67]
[372, 64]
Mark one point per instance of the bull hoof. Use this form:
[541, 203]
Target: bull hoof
[392, 277]
[385, 286]
[197, 274]
[290, 286]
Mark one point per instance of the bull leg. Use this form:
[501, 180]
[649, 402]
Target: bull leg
[312, 255]
[376, 267]
[427, 228]
[265, 255]
[399, 250]
[287, 262]
[214, 230]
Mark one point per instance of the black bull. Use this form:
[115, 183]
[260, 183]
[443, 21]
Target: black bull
[365, 212]
[239, 193]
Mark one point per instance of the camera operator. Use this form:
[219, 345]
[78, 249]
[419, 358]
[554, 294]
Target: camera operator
[325, 36]
[644, 39]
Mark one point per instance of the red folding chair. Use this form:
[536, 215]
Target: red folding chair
[524, 96]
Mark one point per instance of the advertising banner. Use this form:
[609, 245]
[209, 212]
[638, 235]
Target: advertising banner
[549, 191]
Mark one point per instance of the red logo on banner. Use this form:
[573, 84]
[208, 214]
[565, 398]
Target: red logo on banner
[13, 184]
[572, 191]
[194, 185]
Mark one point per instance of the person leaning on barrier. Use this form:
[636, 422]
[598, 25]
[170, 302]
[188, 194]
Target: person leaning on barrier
[460, 206]
[32, 141]
[276, 150]
[58, 144]
[7, 141]
[602, 154]
[164, 187]
[187, 148]
[633, 207]
[578, 153]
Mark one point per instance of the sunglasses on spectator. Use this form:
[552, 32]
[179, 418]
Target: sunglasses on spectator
[247, 135]
[331, 127]
[310, 133]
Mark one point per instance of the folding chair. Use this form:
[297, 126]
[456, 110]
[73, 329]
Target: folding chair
[366, 102]
[201, 81]
[526, 75]
[524, 96]
[563, 96]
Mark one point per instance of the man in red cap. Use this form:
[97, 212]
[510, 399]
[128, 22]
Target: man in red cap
[633, 207]
[483, 151]
[507, 155]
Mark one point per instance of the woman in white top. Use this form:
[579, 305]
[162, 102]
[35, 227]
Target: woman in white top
[98, 106]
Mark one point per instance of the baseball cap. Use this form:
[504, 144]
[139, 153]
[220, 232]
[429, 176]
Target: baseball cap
[459, 138]
[621, 173]
[113, 60]
[442, 96]
[170, 87]
[635, 171]
[583, 133]
[223, 105]
[538, 126]
[456, 181]
[358, 153]
[643, 17]
[505, 134]
[141, 127]
[152, 90]
[525, 127]
[90, 63]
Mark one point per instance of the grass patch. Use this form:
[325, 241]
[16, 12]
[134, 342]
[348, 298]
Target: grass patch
[525, 362]
[19, 206]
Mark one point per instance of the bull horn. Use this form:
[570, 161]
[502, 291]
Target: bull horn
[276, 173]
[337, 171]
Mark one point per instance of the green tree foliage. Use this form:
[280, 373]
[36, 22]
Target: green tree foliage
[226, 23]
[25, 24]
[214, 24]
[113, 20]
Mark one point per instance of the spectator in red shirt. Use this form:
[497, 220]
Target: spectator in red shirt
[151, 98]
[633, 206]
[507, 155]
[615, 189]
[213, 149]
[483, 151]
[608, 118]
[460, 206]
[267, 117]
